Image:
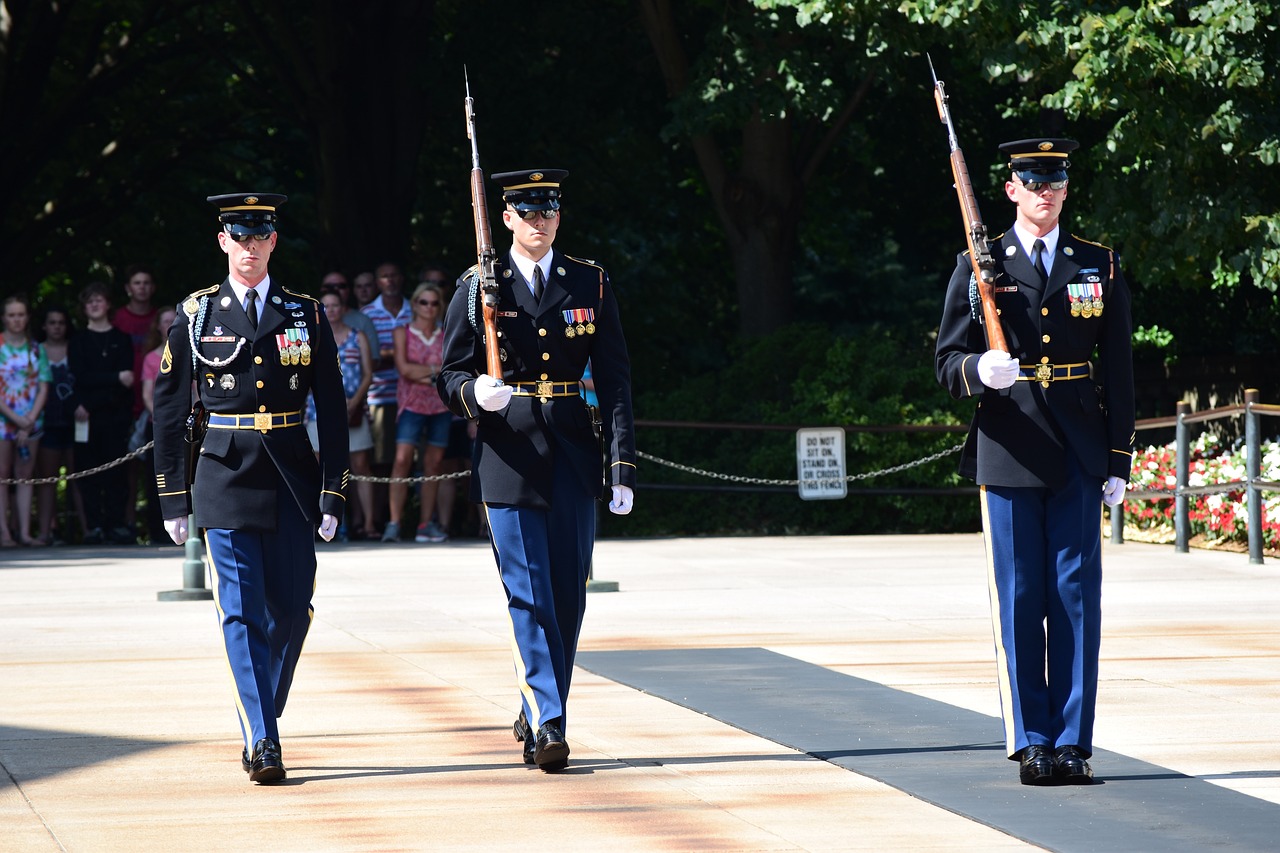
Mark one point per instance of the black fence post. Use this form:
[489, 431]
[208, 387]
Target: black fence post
[1181, 522]
[1117, 524]
[1253, 473]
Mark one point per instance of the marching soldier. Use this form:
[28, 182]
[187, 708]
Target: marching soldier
[537, 464]
[1052, 438]
[254, 351]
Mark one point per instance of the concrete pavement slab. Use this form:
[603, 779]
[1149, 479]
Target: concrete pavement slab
[117, 730]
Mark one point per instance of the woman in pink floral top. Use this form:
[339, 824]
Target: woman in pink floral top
[24, 387]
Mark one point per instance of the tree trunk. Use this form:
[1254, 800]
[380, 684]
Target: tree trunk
[760, 210]
[361, 89]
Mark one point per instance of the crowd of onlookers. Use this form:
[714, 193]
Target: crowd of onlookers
[76, 393]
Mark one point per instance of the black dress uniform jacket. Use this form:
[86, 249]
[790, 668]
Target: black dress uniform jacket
[516, 448]
[1020, 434]
[241, 470]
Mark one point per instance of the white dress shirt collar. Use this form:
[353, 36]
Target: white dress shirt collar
[1028, 240]
[526, 267]
[241, 289]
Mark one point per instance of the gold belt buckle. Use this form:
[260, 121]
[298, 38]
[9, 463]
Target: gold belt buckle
[262, 421]
[1044, 372]
[544, 391]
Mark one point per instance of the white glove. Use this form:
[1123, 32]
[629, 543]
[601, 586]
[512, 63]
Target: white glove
[177, 528]
[997, 369]
[623, 498]
[1113, 491]
[491, 394]
[328, 527]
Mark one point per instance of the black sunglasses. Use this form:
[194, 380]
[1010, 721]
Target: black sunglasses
[1036, 186]
[245, 238]
[530, 215]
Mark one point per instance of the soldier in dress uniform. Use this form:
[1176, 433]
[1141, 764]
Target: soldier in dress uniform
[537, 461]
[254, 351]
[1052, 439]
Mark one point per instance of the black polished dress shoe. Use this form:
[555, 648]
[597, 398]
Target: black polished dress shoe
[551, 751]
[1071, 767]
[266, 766]
[245, 764]
[521, 727]
[523, 733]
[1035, 767]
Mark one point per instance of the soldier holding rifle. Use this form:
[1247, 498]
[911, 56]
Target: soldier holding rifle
[518, 336]
[517, 339]
[1051, 440]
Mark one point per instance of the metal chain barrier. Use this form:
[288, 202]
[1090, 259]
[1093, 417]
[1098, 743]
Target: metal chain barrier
[369, 478]
[80, 475]
[688, 469]
[761, 481]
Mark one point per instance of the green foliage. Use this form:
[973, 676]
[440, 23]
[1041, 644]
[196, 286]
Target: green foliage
[802, 376]
[1155, 340]
[1178, 110]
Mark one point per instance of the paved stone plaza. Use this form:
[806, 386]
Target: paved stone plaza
[117, 730]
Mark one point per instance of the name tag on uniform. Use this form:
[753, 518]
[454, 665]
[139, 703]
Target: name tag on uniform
[1011, 288]
[508, 314]
[218, 339]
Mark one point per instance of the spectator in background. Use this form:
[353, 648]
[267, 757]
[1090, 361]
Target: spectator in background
[457, 456]
[356, 363]
[135, 319]
[360, 510]
[352, 316]
[422, 418]
[24, 388]
[364, 288]
[101, 359]
[150, 370]
[387, 311]
[434, 273]
[59, 429]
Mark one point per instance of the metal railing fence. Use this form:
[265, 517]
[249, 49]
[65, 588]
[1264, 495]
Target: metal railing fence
[1253, 484]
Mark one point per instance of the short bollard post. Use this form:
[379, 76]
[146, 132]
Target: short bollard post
[1253, 473]
[594, 585]
[1182, 465]
[1117, 524]
[193, 571]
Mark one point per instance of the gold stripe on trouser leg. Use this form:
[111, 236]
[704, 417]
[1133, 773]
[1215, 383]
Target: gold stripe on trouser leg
[522, 676]
[226, 657]
[1002, 661]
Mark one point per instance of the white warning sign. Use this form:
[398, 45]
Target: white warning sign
[820, 464]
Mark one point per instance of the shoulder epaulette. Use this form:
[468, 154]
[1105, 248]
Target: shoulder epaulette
[1090, 242]
[300, 295]
[584, 261]
[191, 305]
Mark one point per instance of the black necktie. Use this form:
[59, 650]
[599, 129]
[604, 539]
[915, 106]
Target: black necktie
[1037, 260]
[251, 306]
[538, 284]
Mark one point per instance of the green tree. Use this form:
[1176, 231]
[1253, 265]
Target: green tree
[1178, 104]
[81, 89]
[762, 103]
[356, 81]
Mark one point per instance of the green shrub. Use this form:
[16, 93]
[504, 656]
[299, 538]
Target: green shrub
[802, 376]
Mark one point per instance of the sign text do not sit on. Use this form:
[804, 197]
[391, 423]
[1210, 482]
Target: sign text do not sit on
[820, 464]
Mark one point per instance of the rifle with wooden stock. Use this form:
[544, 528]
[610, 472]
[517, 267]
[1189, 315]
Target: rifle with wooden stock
[486, 257]
[980, 257]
